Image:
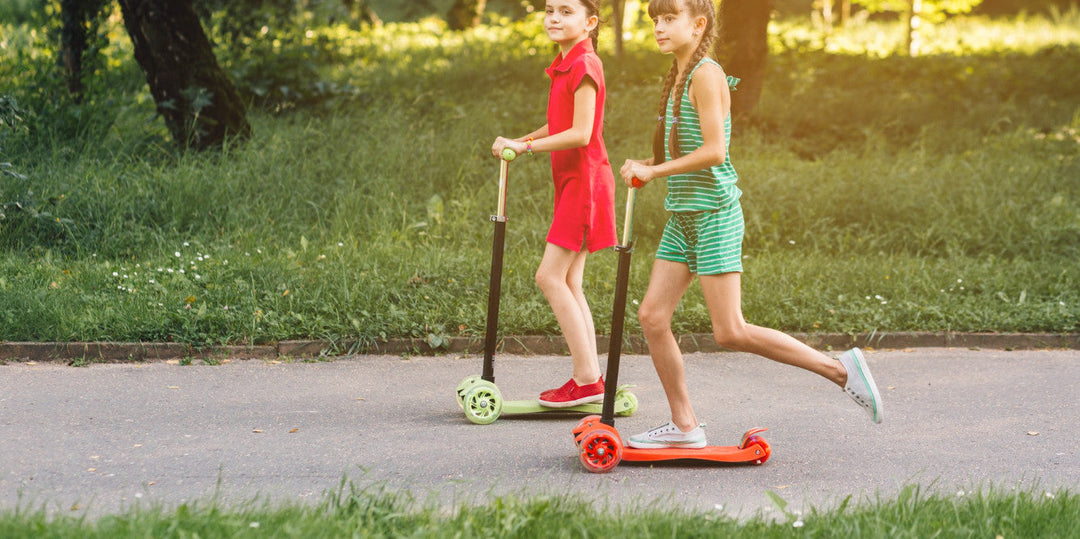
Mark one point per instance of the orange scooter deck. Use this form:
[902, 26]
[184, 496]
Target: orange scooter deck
[756, 453]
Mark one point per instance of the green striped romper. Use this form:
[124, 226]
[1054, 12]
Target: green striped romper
[705, 230]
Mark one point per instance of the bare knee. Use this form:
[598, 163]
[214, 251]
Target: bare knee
[652, 319]
[731, 337]
[549, 282]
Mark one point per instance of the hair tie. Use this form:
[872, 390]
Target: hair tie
[674, 120]
[659, 118]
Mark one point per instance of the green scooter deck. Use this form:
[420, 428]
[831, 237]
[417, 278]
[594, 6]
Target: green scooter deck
[534, 407]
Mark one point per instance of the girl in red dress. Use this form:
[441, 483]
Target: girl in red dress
[584, 212]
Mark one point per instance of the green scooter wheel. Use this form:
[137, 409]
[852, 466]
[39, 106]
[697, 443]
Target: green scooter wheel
[483, 403]
[464, 386]
[625, 403]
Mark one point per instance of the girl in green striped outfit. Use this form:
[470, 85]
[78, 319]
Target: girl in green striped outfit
[704, 235]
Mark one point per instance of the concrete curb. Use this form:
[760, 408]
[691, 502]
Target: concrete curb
[108, 352]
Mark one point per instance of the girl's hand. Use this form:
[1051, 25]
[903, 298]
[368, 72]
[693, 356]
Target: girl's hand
[502, 142]
[633, 168]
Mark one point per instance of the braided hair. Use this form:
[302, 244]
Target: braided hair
[696, 8]
[592, 9]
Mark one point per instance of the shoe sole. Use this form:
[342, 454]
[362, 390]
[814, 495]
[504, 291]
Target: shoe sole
[864, 372]
[568, 404]
[666, 445]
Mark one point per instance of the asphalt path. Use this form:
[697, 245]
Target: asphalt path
[104, 438]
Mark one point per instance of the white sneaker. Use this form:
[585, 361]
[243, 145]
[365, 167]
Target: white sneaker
[668, 435]
[860, 384]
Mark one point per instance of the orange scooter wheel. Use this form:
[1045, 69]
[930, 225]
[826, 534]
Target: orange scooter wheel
[601, 451]
[760, 445]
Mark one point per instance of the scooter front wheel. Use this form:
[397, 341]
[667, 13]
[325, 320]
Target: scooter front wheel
[601, 451]
[483, 403]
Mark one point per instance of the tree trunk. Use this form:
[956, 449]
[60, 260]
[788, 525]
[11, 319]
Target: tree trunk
[913, 42]
[465, 14]
[363, 11]
[200, 105]
[618, 8]
[78, 27]
[743, 49]
[72, 45]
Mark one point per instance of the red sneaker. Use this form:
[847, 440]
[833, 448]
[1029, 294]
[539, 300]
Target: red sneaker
[571, 394]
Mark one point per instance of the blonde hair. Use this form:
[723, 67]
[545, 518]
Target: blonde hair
[696, 8]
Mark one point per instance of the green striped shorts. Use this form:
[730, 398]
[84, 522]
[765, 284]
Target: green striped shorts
[709, 242]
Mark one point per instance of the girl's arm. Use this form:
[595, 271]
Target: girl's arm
[711, 97]
[579, 134]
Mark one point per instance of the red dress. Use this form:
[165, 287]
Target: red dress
[584, 183]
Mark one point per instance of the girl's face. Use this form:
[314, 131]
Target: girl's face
[567, 22]
[675, 31]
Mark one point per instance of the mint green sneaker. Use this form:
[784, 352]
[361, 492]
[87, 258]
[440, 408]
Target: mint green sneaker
[668, 435]
[860, 384]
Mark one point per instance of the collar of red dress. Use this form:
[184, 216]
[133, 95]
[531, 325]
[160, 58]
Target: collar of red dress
[562, 64]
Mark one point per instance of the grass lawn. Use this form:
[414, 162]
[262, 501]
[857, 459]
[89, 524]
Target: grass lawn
[353, 512]
[882, 193]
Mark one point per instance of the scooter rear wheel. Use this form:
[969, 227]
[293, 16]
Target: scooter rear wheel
[760, 445]
[464, 386]
[625, 403]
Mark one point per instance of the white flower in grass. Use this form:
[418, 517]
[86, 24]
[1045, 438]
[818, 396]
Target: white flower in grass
[960, 493]
[114, 274]
[186, 244]
[797, 524]
[197, 276]
[1050, 495]
[177, 254]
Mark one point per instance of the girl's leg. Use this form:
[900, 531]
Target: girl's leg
[559, 277]
[667, 284]
[723, 296]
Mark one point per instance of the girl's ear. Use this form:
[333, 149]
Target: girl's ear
[592, 23]
[700, 23]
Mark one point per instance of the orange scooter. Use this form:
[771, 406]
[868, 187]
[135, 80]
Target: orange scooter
[600, 446]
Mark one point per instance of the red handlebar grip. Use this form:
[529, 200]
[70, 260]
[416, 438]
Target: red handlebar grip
[638, 184]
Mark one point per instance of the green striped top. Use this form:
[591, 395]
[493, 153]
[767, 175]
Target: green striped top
[706, 189]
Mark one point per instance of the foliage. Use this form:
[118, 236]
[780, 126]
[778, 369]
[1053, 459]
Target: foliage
[881, 192]
[932, 10]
